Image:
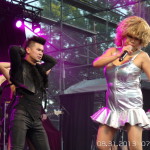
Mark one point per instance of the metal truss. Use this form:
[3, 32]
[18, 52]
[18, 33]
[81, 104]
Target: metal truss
[29, 10]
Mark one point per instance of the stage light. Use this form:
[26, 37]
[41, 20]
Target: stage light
[19, 23]
[36, 27]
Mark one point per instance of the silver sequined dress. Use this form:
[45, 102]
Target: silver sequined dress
[124, 101]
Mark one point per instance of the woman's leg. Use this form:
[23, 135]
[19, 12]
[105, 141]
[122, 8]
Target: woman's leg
[8, 145]
[134, 137]
[29, 144]
[104, 137]
[114, 147]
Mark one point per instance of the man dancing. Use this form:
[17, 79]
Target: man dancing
[30, 79]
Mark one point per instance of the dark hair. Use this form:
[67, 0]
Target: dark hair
[34, 39]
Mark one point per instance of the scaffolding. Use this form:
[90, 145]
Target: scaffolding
[97, 14]
[29, 10]
[105, 14]
[76, 45]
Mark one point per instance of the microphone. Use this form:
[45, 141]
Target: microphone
[125, 53]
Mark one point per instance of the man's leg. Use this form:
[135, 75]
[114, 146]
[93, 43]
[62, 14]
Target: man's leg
[18, 129]
[38, 136]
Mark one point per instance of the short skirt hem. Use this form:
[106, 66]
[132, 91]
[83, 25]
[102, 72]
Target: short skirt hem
[118, 119]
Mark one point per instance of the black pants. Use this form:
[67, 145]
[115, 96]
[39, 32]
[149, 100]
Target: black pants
[22, 124]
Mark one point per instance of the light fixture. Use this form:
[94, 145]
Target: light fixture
[19, 23]
[36, 27]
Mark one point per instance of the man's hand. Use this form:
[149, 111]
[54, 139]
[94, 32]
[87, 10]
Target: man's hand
[43, 117]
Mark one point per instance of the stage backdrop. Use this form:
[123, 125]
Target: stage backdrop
[75, 122]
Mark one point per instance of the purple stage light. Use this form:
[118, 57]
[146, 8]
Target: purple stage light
[36, 27]
[19, 23]
[36, 30]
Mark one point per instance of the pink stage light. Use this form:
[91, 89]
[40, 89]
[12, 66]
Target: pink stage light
[19, 23]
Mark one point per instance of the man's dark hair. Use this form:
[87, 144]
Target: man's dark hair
[34, 39]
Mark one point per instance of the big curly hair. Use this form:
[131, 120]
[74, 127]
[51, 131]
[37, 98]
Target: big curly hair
[133, 26]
